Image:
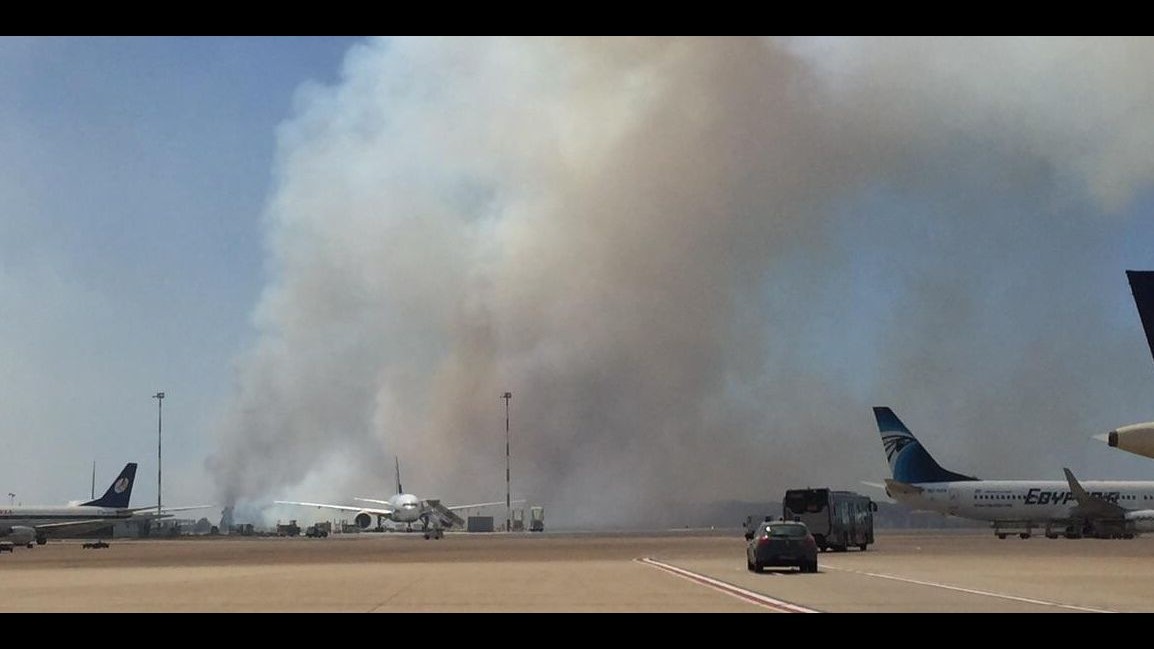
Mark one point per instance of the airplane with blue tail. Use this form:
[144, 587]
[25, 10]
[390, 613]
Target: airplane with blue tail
[30, 525]
[1069, 508]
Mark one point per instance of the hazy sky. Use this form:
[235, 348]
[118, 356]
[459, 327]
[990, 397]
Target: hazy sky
[696, 263]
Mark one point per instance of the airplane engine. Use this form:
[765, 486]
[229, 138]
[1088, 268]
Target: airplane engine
[1135, 438]
[20, 534]
[1140, 521]
[364, 520]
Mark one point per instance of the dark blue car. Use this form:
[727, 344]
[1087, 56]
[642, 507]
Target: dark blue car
[781, 544]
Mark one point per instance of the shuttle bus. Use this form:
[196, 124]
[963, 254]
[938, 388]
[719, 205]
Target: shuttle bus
[837, 519]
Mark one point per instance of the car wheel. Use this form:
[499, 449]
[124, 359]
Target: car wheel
[757, 567]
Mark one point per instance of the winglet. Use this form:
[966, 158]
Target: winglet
[1080, 494]
[1090, 505]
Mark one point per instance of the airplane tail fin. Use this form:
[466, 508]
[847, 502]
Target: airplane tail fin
[1142, 286]
[119, 492]
[400, 490]
[909, 462]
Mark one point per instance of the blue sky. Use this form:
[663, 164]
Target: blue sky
[131, 246]
[695, 262]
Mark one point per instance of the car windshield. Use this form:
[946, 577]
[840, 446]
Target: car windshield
[786, 530]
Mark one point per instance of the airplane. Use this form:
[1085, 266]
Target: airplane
[28, 524]
[404, 508]
[34, 524]
[1137, 438]
[1098, 509]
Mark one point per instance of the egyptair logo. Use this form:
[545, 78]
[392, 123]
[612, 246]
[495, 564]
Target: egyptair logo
[894, 445]
[120, 485]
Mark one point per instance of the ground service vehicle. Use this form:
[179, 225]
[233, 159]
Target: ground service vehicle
[781, 543]
[288, 529]
[536, 519]
[318, 531]
[837, 519]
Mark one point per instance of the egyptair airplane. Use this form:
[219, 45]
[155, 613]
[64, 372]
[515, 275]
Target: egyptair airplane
[405, 508]
[1099, 508]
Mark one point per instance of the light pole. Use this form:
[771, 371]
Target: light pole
[159, 396]
[508, 502]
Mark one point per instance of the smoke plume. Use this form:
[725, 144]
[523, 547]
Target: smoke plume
[695, 263]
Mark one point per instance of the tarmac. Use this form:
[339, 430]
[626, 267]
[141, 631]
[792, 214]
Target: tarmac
[669, 571]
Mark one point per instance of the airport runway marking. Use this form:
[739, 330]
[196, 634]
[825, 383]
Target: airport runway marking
[729, 589]
[972, 591]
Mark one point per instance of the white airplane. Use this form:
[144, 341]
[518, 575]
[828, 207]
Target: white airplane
[35, 524]
[1100, 508]
[1138, 438]
[28, 524]
[405, 508]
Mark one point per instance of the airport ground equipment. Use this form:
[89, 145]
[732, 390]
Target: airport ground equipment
[537, 519]
[479, 524]
[319, 531]
[288, 529]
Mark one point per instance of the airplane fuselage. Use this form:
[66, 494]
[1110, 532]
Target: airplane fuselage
[406, 508]
[1023, 500]
[33, 516]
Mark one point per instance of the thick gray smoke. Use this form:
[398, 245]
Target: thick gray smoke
[695, 263]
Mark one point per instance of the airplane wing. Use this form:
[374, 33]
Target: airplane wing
[187, 508]
[73, 528]
[149, 513]
[499, 502]
[382, 511]
[165, 510]
[1091, 506]
[371, 500]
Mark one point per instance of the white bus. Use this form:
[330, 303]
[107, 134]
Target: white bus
[837, 519]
